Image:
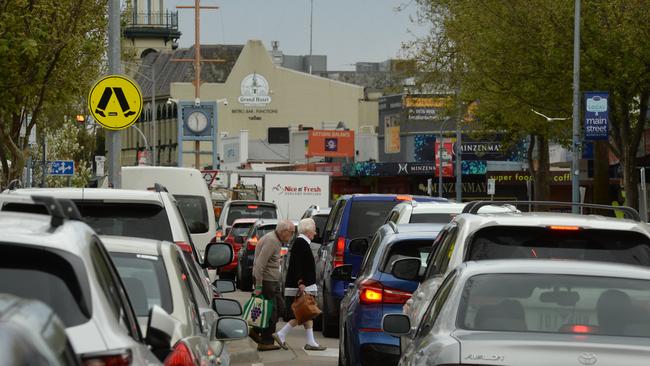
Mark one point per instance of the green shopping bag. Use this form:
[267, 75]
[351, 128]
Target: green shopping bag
[257, 312]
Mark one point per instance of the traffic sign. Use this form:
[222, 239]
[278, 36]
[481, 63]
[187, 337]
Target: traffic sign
[491, 186]
[115, 102]
[62, 168]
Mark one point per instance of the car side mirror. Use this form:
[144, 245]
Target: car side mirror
[342, 273]
[223, 286]
[227, 307]
[160, 329]
[359, 246]
[229, 328]
[217, 255]
[407, 269]
[396, 325]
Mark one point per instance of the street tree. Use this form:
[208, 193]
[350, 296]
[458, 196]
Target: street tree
[52, 50]
[516, 56]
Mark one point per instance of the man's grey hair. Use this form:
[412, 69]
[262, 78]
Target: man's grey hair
[284, 225]
[306, 226]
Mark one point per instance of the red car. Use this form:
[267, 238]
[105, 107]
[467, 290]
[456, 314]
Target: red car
[236, 238]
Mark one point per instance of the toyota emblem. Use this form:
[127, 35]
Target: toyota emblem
[587, 358]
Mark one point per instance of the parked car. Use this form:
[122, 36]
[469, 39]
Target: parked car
[353, 216]
[153, 273]
[142, 214]
[319, 215]
[63, 264]
[32, 334]
[236, 238]
[246, 254]
[376, 292]
[245, 209]
[427, 212]
[475, 237]
[190, 191]
[532, 312]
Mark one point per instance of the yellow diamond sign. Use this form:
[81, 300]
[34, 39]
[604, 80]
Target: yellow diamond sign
[115, 102]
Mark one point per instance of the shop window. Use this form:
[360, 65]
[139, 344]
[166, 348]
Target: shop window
[278, 135]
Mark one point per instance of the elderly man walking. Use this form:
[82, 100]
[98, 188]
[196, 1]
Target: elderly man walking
[266, 271]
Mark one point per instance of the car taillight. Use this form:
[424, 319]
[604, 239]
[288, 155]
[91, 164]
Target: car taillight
[564, 228]
[338, 254]
[218, 235]
[180, 356]
[184, 246]
[252, 243]
[252, 207]
[374, 292]
[120, 357]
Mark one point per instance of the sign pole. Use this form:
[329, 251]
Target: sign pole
[113, 138]
[575, 164]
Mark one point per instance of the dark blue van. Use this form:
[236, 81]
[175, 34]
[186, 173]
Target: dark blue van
[356, 216]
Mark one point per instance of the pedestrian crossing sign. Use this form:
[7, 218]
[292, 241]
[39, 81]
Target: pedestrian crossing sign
[115, 102]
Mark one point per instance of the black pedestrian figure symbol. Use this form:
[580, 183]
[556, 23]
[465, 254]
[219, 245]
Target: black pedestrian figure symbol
[106, 97]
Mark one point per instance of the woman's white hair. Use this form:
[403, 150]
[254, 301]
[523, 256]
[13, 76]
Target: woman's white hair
[306, 225]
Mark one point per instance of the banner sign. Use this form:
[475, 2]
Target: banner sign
[424, 108]
[447, 158]
[596, 115]
[330, 143]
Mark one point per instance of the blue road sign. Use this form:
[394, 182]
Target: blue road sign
[62, 167]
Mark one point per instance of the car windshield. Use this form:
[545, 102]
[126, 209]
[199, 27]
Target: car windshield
[146, 281]
[367, 216]
[139, 220]
[565, 242]
[195, 212]
[250, 211]
[433, 218]
[556, 303]
[36, 274]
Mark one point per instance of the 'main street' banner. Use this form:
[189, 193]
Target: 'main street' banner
[596, 115]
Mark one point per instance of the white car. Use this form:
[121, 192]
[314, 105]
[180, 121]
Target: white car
[413, 212]
[153, 273]
[64, 264]
[143, 214]
[472, 237]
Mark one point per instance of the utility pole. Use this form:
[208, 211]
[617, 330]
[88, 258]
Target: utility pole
[575, 164]
[153, 119]
[311, 33]
[113, 138]
[197, 67]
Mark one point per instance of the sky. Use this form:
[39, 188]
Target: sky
[347, 31]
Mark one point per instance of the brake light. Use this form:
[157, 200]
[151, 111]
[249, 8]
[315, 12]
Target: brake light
[564, 228]
[180, 356]
[403, 197]
[340, 250]
[374, 292]
[578, 328]
[252, 243]
[121, 357]
[218, 235]
[184, 246]
[252, 207]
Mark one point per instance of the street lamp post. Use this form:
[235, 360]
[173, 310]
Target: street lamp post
[575, 163]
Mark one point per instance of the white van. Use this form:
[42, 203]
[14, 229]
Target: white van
[190, 190]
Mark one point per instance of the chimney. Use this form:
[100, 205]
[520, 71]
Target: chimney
[275, 45]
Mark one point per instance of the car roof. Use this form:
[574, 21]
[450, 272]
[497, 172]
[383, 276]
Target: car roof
[437, 207]
[244, 221]
[264, 222]
[131, 245]
[550, 266]
[420, 228]
[545, 219]
[93, 194]
[387, 197]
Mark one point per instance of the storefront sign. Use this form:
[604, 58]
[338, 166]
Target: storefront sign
[330, 143]
[482, 150]
[254, 91]
[596, 116]
[523, 177]
[424, 108]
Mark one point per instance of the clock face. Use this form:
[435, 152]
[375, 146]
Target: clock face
[197, 122]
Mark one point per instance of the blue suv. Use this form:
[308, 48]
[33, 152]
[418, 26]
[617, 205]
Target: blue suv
[380, 290]
[356, 216]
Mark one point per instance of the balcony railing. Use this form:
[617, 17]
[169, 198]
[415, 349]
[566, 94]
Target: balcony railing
[167, 19]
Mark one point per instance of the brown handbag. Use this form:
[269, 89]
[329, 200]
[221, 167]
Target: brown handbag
[304, 307]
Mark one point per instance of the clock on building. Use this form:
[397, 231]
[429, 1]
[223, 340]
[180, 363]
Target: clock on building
[197, 122]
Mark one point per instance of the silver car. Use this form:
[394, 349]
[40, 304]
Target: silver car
[532, 312]
[156, 273]
[472, 236]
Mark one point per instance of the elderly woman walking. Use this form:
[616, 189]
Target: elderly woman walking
[301, 276]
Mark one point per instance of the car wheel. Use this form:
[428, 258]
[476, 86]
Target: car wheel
[344, 357]
[330, 326]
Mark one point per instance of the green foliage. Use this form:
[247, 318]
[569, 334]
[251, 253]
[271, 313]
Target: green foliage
[52, 51]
